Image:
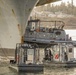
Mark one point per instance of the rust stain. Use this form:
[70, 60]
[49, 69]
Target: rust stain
[30, 9]
[13, 12]
[22, 39]
[19, 28]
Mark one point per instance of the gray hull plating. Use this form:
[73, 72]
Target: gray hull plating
[31, 68]
[13, 18]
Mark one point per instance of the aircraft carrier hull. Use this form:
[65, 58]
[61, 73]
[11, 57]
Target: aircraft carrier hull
[13, 18]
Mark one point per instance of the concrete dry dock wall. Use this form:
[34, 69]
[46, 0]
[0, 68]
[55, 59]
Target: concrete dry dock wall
[14, 68]
[7, 52]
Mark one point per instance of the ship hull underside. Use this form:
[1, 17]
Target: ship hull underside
[13, 18]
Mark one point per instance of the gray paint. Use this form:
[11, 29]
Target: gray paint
[12, 13]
